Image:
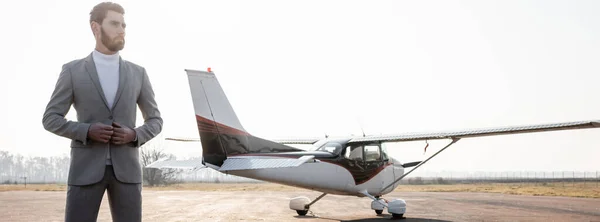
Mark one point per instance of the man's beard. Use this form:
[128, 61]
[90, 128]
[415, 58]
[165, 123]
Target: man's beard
[110, 44]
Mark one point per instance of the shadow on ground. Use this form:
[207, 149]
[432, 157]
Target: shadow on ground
[383, 217]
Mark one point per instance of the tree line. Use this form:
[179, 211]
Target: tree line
[18, 169]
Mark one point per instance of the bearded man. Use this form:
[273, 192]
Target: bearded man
[104, 89]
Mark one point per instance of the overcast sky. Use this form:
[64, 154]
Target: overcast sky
[306, 68]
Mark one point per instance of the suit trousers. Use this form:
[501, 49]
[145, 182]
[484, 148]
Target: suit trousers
[125, 200]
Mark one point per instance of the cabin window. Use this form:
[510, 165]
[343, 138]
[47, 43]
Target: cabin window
[372, 153]
[354, 153]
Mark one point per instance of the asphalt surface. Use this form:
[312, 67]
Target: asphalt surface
[274, 206]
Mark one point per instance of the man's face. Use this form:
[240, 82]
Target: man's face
[113, 31]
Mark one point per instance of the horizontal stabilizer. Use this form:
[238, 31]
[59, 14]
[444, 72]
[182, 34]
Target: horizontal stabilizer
[282, 141]
[252, 163]
[176, 164]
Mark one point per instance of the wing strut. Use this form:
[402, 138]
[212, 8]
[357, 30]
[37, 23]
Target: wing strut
[314, 201]
[454, 140]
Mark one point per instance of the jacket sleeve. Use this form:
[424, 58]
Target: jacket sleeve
[60, 102]
[152, 120]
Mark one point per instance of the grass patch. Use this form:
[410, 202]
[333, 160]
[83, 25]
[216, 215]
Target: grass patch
[590, 190]
[33, 187]
[544, 189]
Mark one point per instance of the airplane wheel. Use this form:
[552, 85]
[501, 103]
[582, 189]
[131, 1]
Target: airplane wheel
[397, 216]
[302, 212]
[379, 212]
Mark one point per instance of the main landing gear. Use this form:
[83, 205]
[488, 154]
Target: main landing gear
[396, 208]
[302, 204]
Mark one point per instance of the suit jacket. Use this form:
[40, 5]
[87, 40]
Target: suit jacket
[78, 85]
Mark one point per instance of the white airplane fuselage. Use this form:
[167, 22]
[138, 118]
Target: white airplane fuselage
[327, 177]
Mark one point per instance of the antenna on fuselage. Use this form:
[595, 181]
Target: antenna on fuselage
[361, 127]
[363, 131]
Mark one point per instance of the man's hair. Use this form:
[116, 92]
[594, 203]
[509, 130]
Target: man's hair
[99, 11]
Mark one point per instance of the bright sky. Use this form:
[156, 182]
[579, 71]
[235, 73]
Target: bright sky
[306, 68]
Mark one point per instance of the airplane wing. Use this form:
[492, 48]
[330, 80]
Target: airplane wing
[282, 141]
[478, 132]
[457, 135]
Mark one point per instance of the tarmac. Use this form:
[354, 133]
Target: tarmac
[266, 205]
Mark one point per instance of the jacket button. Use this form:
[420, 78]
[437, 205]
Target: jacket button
[110, 117]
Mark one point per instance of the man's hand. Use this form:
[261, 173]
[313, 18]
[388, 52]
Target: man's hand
[122, 134]
[100, 132]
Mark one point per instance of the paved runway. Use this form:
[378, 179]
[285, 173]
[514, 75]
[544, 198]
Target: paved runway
[273, 206]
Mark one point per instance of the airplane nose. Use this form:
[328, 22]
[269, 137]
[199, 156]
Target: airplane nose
[396, 162]
[398, 169]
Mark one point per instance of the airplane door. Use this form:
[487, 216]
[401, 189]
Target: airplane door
[376, 164]
[389, 174]
[368, 163]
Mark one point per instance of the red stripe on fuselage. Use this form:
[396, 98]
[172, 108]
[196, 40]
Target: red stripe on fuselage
[370, 176]
[209, 126]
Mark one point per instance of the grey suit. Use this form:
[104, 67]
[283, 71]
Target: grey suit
[78, 85]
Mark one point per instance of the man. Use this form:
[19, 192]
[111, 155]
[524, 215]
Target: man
[104, 89]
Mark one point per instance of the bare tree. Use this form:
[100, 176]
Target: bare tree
[6, 167]
[155, 177]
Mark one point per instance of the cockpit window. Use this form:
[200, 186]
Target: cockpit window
[384, 152]
[368, 153]
[372, 153]
[319, 144]
[330, 147]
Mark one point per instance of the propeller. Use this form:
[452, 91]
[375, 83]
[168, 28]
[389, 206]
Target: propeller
[411, 164]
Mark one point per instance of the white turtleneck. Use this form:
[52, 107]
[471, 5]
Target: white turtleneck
[107, 67]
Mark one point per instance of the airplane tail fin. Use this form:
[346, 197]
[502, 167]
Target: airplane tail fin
[221, 133]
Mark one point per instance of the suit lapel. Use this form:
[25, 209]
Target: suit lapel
[91, 69]
[123, 73]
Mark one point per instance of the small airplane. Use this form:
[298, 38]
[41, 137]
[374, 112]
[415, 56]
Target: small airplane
[355, 166]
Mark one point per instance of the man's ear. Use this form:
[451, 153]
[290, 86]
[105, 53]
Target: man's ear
[95, 28]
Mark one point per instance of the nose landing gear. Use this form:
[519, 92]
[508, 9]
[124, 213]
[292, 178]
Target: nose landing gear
[302, 204]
